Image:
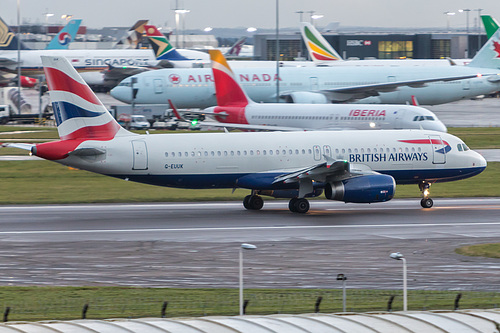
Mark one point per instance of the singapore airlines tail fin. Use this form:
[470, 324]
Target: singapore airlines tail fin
[164, 50]
[227, 89]
[133, 37]
[67, 34]
[79, 114]
[319, 49]
[490, 25]
[8, 39]
[489, 55]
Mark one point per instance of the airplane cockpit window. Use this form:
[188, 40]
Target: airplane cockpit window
[465, 147]
[431, 118]
[459, 146]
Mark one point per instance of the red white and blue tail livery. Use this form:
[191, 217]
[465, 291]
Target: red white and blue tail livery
[349, 166]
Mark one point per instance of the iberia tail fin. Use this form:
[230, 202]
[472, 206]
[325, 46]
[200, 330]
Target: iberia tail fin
[227, 89]
[79, 114]
[164, 50]
[319, 49]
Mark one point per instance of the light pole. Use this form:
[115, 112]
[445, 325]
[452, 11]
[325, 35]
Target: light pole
[399, 256]
[467, 17]
[300, 12]
[478, 10]
[343, 278]
[244, 246]
[448, 14]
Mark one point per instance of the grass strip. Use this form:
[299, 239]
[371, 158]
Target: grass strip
[65, 303]
[480, 250]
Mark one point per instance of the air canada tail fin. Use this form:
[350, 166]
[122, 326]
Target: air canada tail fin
[164, 50]
[67, 34]
[227, 89]
[319, 49]
[489, 55]
[235, 50]
[8, 39]
[490, 25]
[79, 114]
[133, 37]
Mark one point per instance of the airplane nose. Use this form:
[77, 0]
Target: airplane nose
[123, 94]
[441, 127]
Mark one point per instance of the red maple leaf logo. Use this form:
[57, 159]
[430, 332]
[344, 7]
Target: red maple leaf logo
[496, 48]
[174, 78]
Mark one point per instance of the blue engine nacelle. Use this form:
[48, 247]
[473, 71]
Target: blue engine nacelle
[362, 189]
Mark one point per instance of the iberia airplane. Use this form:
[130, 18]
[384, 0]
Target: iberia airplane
[350, 166]
[235, 109]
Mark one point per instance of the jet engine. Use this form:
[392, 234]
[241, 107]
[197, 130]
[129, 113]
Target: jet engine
[305, 97]
[362, 189]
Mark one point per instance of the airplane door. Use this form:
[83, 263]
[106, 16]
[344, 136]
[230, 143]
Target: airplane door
[317, 153]
[140, 151]
[438, 149]
[399, 119]
[466, 84]
[158, 86]
[314, 83]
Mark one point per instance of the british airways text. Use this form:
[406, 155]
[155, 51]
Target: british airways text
[384, 157]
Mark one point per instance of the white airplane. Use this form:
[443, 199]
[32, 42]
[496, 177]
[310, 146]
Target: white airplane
[323, 54]
[350, 166]
[235, 109]
[194, 88]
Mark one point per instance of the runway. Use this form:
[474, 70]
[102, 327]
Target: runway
[196, 244]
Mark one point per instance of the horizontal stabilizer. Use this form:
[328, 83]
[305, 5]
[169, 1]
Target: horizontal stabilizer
[25, 146]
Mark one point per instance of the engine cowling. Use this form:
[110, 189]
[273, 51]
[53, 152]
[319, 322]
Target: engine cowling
[362, 189]
[305, 97]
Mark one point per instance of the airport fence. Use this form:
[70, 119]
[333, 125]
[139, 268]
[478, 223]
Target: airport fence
[206, 302]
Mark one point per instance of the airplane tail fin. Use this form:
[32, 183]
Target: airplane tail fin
[161, 45]
[319, 49]
[133, 37]
[78, 112]
[227, 89]
[490, 25]
[489, 55]
[8, 39]
[67, 34]
[235, 50]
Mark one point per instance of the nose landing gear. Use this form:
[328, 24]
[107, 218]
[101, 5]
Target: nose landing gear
[426, 202]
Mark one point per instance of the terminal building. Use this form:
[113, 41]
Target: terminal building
[375, 46]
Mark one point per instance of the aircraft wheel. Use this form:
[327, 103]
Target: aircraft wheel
[291, 205]
[246, 202]
[301, 206]
[255, 202]
[426, 203]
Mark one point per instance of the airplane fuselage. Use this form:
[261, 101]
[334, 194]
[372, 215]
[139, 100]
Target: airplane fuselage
[194, 88]
[253, 160]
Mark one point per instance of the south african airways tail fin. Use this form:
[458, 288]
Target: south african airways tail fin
[319, 49]
[79, 114]
[227, 89]
[8, 39]
[162, 47]
[67, 34]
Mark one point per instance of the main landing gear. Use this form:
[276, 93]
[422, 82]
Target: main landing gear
[298, 205]
[426, 202]
[253, 202]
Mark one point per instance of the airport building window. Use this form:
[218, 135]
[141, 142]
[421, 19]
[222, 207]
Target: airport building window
[289, 49]
[395, 49]
[441, 48]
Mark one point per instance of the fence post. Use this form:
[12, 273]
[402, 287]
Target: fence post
[84, 311]
[164, 309]
[6, 314]
[457, 301]
[318, 302]
[389, 303]
[245, 303]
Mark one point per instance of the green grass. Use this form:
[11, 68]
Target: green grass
[64, 303]
[480, 250]
[43, 182]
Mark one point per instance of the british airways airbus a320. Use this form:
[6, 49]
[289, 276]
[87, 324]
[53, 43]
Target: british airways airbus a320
[350, 166]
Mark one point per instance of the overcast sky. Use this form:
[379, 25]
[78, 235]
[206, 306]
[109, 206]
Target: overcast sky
[252, 13]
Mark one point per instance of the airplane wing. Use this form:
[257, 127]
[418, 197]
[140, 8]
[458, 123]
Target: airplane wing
[5, 62]
[331, 170]
[349, 93]
[25, 146]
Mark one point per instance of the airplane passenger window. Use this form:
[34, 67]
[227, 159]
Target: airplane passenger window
[238, 153]
[166, 154]
[212, 153]
[225, 152]
[264, 152]
[277, 152]
[406, 149]
[232, 153]
[270, 152]
[244, 152]
[343, 151]
[284, 152]
[186, 154]
[219, 153]
[290, 152]
[206, 153]
[199, 153]
[192, 153]
[303, 151]
[257, 152]
[296, 151]
[309, 151]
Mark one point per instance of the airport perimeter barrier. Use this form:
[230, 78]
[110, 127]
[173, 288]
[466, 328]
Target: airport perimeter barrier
[224, 302]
